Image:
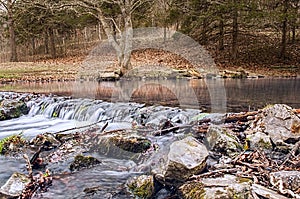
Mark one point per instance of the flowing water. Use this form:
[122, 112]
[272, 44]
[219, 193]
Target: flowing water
[121, 104]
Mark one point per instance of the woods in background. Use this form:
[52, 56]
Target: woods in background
[234, 31]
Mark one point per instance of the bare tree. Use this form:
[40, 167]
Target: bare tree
[123, 43]
[8, 5]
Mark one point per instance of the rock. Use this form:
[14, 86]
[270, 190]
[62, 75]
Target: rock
[259, 140]
[108, 76]
[286, 179]
[266, 193]
[10, 109]
[185, 158]
[134, 144]
[142, 186]
[14, 185]
[81, 162]
[279, 122]
[221, 141]
[11, 144]
[225, 187]
[240, 73]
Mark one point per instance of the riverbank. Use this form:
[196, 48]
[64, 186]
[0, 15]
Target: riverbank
[167, 64]
[126, 150]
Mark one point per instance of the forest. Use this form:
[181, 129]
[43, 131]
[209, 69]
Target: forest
[247, 33]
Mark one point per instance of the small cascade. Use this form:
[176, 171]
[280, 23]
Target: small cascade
[83, 109]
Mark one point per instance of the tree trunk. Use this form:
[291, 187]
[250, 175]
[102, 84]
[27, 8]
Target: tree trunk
[221, 38]
[123, 48]
[33, 46]
[46, 42]
[235, 29]
[284, 30]
[204, 32]
[12, 36]
[52, 43]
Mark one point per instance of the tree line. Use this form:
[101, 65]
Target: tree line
[42, 22]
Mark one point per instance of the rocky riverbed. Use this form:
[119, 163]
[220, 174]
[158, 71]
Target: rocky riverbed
[129, 150]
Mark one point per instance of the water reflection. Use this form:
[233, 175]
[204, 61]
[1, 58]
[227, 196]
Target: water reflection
[241, 94]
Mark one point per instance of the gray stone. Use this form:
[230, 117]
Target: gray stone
[219, 140]
[279, 122]
[14, 185]
[185, 158]
[226, 187]
[260, 141]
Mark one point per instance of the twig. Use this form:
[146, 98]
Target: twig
[208, 174]
[29, 168]
[86, 126]
[171, 129]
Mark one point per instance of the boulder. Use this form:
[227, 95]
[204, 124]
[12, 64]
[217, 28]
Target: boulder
[219, 140]
[142, 186]
[81, 162]
[280, 122]
[134, 144]
[259, 141]
[225, 187]
[185, 158]
[14, 186]
[10, 109]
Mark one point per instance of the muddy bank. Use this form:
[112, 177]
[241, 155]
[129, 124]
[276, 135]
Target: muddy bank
[157, 152]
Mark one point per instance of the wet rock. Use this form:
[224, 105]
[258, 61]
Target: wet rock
[134, 144]
[12, 144]
[47, 141]
[279, 122]
[225, 187]
[14, 186]
[259, 141]
[185, 158]
[81, 162]
[12, 109]
[142, 186]
[286, 180]
[219, 140]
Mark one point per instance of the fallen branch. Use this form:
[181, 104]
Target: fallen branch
[171, 129]
[241, 117]
[213, 173]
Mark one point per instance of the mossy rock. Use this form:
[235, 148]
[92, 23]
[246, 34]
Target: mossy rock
[13, 143]
[10, 109]
[142, 186]
[192, 190]
[132, 144]
[81, 162]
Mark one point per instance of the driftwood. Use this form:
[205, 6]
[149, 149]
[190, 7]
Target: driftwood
[240, 117]
[214, 173]
[171, 129]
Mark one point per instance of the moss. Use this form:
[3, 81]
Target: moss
[142, 187]
[11, 143]
[265, 145]
[242, 180]
[193, 190]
